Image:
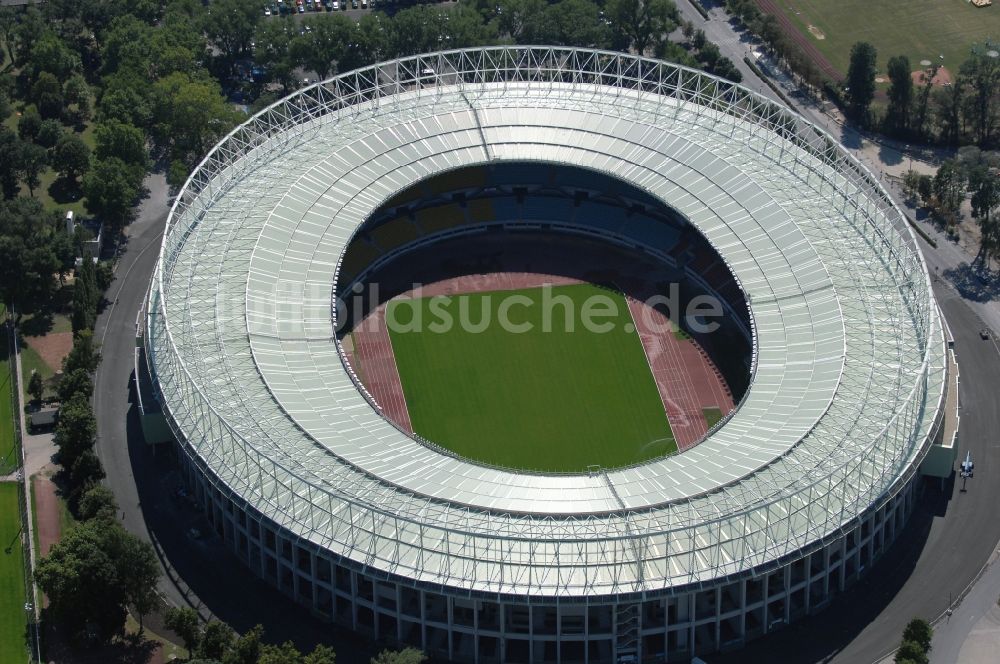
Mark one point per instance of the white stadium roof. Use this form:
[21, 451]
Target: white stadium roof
[848, 360]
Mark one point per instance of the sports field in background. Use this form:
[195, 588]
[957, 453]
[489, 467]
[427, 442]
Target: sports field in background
[8, 460]
[919, 29]
[12, 597]
[547, 401]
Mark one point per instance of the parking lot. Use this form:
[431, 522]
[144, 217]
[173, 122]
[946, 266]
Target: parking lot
[353, 8]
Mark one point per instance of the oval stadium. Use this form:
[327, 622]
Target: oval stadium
[678, 482]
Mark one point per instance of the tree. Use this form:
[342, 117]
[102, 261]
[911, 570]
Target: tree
[83, 355]
[727, 70]
[121, 140]
[518, 17]
[76, 385]
[910, 651]
[709, 55]
[50, 55]
[286, 653]
[76, 91]
[947, 104]
[177, 174]
[576, 23]
[216, 640]
[897, 118]
[8, 25]
[30, 28]
[83, 315]
[925, 188]
[111, 187]
[47, 95]
[93, 573]
[985, 187]
[31, 250]
[139, 572]
[919, 631]
[860, 83]
[98, 503]
[84, 474]
[76, 431]
[699, 40]
[643, 23]
[35, 386]
[190, 114]
[911, 180]
[125, 104]
[247, 647]
[325, 44]
[321, 654]
[49, 133]
[921, 114]
[405, 656]
[949, 189]
[187, 624]
[10, 154]
[981, 73]
[71, 157]
[34, 160]
[85, 296]
[29, 124]
[80, 579]
[232, 23]
[271, 52]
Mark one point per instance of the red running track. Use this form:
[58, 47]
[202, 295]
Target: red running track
[377, 368]
[687, 380]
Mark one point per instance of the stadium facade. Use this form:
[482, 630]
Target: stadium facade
[787, 502]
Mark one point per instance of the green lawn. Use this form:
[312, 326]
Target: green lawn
[32, 361]
[53, 192]
[8, 462]
[712, 416]
[13, 620]
[919, 29]
[540, 400]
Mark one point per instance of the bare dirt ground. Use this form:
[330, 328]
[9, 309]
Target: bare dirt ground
[52, 347]
[46, 513]
[941, 77]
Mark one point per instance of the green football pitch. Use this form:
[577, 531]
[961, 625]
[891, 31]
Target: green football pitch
[556, 398]
[919, 29]
[12, 596]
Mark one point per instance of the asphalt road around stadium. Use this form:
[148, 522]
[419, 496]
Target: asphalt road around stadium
[949, 537]
[197, 572]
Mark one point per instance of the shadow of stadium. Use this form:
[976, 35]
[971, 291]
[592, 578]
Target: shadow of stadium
[207, 574]
[820, 637]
